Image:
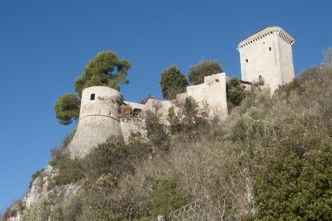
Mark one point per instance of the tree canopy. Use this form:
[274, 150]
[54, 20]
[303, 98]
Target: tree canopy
[172, 82]
[103, 70]
[204, 68]
[67, 108]
[235, 92]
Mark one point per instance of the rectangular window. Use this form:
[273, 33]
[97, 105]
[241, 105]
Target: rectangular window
[247, 60]
[270, 48]
[92, 97]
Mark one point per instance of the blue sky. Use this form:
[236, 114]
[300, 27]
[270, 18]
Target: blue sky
[44, 46]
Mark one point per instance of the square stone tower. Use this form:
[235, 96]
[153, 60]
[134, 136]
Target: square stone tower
[266, 57]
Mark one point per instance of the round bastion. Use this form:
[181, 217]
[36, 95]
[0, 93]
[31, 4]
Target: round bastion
[98, 120]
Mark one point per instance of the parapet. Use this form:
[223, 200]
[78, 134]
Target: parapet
[265, 32]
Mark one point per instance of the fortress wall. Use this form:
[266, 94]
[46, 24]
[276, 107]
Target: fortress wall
[267, 53]
[260, 58]
[99, 119]
[286, 60]
[92, 131]
[211, 93]
[135, 105]
[160, 108]
[106, 102]
[129, 126]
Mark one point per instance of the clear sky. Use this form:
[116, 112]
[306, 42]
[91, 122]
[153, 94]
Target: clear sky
[44, 46]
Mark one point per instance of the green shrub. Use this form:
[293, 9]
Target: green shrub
[172, 82]
[68, 210]
[204, 68]
[70, 170]
[235, 92]
[38, 212]
[166, 197]
[156, 131]
[35, 175]
[189, 121]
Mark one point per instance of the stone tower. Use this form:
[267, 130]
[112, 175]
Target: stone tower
[266, 56]
[98, 120]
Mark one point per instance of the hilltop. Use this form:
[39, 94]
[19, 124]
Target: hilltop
[270, 159]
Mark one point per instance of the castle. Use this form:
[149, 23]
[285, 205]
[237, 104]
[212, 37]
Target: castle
[265, 57]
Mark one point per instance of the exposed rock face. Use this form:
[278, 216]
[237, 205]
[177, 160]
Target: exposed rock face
[41, 188]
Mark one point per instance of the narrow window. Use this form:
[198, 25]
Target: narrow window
[260, 78]
[92, 97]
[270, 48]
[247, 60]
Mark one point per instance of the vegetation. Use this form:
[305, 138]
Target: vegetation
[35, 175]
[189, 120]
[172, 82]
[166, 197]
[156, 131]
[235, 93]
[103, 70]
[67, 108]
[204, 68]
[270, 160]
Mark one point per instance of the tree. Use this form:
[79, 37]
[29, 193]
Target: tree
[172, 82]
[67, 108]
[235, 92]
[204, 68]
[103, 70]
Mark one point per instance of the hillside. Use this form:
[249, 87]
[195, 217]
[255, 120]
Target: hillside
[270, 160]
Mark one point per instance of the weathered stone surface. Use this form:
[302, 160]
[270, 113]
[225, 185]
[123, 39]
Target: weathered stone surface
[99, 119]
[267, 54]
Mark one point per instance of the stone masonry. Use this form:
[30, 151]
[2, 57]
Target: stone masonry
[266, 56]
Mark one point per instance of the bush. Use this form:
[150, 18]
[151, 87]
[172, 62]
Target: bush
[235, 92]
[172, 82]
[69, 210]
[166, 197]
[156, 132]
[188, 120]
[35, 175]
[38, 212]
[70, 170]
[204, 68]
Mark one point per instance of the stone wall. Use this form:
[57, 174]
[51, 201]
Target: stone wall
[132, 125]
[99, 120]
[267, 54]
[211, 94]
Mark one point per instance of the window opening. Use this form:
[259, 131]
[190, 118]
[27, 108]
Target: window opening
[270, 48]
[247, 60]
[136, 112]
[92, 97]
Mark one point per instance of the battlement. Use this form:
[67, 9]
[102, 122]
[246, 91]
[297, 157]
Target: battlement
[266, 32]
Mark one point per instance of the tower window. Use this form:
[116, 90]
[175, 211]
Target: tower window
[247, 60]
[270, 48]
[92, 97]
